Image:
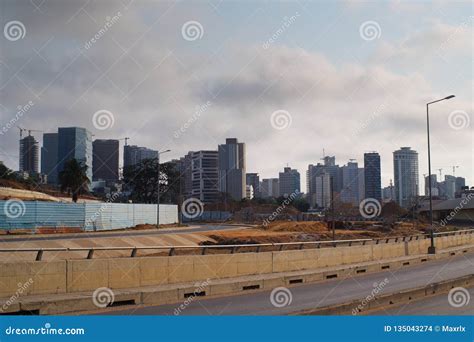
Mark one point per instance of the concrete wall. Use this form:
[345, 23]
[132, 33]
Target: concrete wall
[119, 273]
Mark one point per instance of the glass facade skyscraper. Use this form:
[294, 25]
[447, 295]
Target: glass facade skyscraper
[75, 143]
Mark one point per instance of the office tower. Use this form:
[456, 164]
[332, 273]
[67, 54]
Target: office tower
[372, 176]
[105, 160]
[460, 184]
[289, 181]
[232, 168]
[434, 186]
[75, 143]
[270, 187]
[388, 193]
[450, 186]
[323, 191]
[350, 183]
[183, 167]
[314, 171]
[405, 164]
[249, 192]
[361, 180]
[133, 154]
[253, 179]
[29, 155]
[49, 157]
[205, 176]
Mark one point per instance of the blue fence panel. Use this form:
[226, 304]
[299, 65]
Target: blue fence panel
[16, 214]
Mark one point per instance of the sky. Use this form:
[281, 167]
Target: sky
[293, 80]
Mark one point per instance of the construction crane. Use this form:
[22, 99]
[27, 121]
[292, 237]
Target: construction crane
[21, 131]
[33, 130]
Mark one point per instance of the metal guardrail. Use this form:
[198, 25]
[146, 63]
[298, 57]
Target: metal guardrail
[233, 248]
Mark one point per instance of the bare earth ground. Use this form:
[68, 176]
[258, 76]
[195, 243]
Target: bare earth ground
[311, 231]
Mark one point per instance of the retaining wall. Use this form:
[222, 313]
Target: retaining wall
[119, 273]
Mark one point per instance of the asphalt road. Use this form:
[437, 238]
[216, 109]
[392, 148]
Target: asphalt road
[435, 305]
[310, 296]
[122, 233]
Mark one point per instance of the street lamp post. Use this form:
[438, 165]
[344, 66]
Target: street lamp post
[158, 190]
[431, 248]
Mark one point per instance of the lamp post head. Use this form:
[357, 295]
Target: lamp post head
[449, 97]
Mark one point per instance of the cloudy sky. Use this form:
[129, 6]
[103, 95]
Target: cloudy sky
[288, 79]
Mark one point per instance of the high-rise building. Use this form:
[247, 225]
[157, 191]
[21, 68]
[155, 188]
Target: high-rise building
[205, 176]
[29, 155]
[289, 181]
[49, 157]
[253, 179]
[184, 169]
[232, 169]
[329, 167]
[350, 183]
[249, 192]
[133, 154]
[434, 185]
[405, 164]
[323, 191]
[388, 193]
[105, 160]
[372, 176]
[270, 187]
[75, 143]
[460, 184]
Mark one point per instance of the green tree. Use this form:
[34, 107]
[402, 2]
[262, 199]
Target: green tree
[141, 180]
[5, 172]
[73, 179]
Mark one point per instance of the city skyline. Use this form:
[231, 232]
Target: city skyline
[368, 93]
[358, 175]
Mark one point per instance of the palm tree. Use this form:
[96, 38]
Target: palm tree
[74, 178]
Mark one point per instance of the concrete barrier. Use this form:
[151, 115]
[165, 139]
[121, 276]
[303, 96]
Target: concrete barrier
[73, 276]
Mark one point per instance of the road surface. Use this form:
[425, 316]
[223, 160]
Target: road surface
[122, 233]
[434, 305]
[310, 296]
